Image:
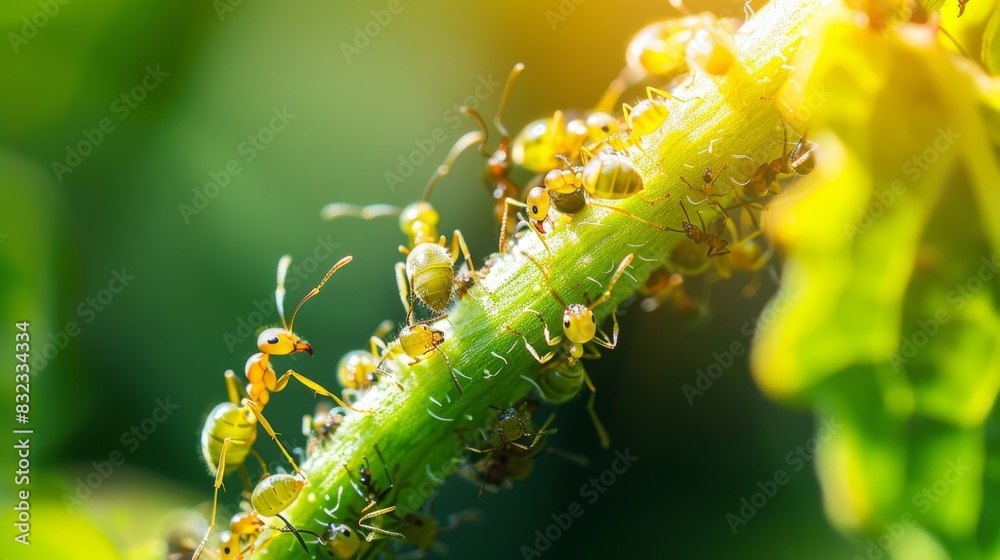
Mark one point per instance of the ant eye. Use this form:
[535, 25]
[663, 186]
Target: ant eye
[226, 550]
[593, 319]
[345, 531]
[272, 340]
[534, 209]
[566, 321]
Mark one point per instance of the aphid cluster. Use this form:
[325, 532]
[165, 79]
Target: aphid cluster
[574, 163]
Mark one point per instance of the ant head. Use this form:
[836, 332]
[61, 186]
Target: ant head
[579, 323]
[341, 541]
[419, 221]
[538, 203]
[601, 125]
[278, 341]
[355, 367]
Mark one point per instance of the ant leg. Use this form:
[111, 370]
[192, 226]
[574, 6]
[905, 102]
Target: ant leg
[609, 343]
[384, 468]
[545, 328]
[602, 433]
[233, 388]
[403, 284]
[255, 408]
[531, 349]
[391, 377]
[219, 473]
[653, 200]
[284, 379]
[690, 186]
[263, 465]
[614, 279]
[544, 431]
[458, 242]
[350, 478]
[450, 370]
[376, 340]
[503, 223]
[371, 536]
[626, 213]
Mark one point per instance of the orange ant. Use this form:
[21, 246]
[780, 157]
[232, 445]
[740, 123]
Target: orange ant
[281, 341]
[499, 163]
[717, 245]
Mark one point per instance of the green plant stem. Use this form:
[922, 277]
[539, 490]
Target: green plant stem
[416, 428]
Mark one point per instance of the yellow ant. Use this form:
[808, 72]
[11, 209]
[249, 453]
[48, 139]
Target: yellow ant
[648, 115]
[429, 271]
[609, 174]
[541, 144]
[670, 48]
[499, 163]
[227, 438]
[579, 322]
[281, 341]
[357, 370]
[419, 341]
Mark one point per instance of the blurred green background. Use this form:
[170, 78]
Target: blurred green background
[224, 70]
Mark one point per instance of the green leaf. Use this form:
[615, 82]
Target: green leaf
[892, 273]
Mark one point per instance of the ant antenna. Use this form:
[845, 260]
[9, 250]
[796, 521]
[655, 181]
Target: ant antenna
[680, 7]
[470, 138]
[498, 120]
[279, 291]
[486, 130]
[342, 262]
[545, 274]
[336, 210]
[611, 285]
